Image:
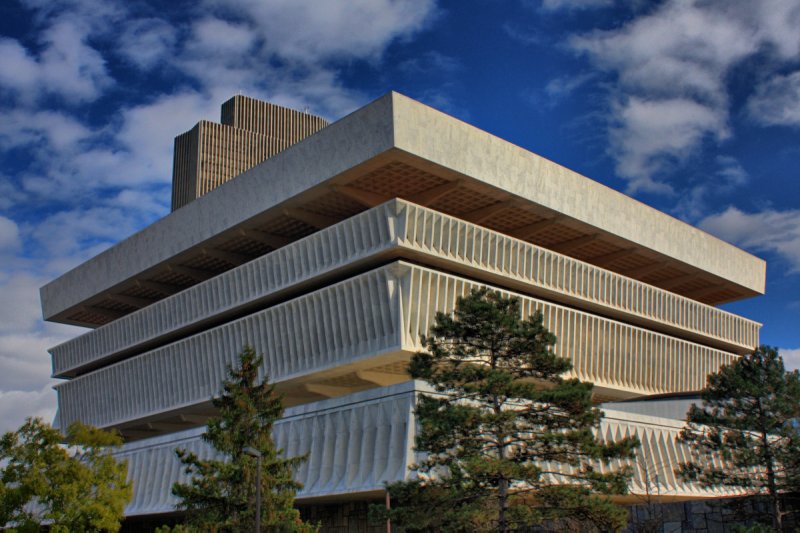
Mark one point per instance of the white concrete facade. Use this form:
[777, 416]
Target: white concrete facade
[357, 443]
[332, 257]
[369, 324]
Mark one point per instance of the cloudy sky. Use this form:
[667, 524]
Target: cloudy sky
[690, 106]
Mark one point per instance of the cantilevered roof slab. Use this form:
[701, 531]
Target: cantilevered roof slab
[397, 147]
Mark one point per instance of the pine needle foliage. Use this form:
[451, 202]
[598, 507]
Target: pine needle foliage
[508, 442]
[745, 435]
[221, 494]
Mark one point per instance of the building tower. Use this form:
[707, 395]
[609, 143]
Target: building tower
[251, 131]
[330, 258]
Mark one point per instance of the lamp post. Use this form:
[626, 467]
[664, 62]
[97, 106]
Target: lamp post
[252, 452]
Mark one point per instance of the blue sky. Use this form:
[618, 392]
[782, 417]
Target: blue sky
[692, 107]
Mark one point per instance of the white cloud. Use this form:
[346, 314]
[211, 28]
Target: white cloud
[671, 64]
[21, 371]
[730, 173]
[135, 151]
[217, 36]
[70, 66]
[775, 22]
[765, 231]
[555, 5]
[25, 381]
[66, 66]
[99, 16]
[523, 36]
[287, 51]
[312, 32]
[693, 204]
[776, 102]
[28, 344]
[19, 70]
[17, 405]
[9, 193]
[647, 134]
[148, 131]
[74, 232]
[147, 42]
[559, 88]
[46, 130]
[146, 201]
[430, 62]
[20, 311]
[9, 235]
[681, 48]
[320, 90]
[791, 358]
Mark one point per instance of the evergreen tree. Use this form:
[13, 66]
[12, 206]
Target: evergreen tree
[749, 420]
[221, 493]
[71, 482]
[507, 441]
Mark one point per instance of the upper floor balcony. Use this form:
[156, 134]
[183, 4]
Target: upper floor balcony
[399, 229]
[359, 334]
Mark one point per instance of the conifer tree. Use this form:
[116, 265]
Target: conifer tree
[749, 421]
[507, 441]
[221, 493]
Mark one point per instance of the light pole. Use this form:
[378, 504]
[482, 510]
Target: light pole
[252, 452]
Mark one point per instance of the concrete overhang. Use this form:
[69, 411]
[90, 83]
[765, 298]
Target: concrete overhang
[397, 147]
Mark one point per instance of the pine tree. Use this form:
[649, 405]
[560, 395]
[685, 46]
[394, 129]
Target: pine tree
[77, 487]
[221, 493]
[749, 420]
[507, 441]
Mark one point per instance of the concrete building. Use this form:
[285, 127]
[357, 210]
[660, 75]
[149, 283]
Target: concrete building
[331, 256]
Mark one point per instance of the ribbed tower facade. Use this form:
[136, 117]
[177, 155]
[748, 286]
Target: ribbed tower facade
[251, 131]
[331, 258]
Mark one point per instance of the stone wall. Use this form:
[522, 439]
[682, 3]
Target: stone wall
[348, 517]
[699, 516]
